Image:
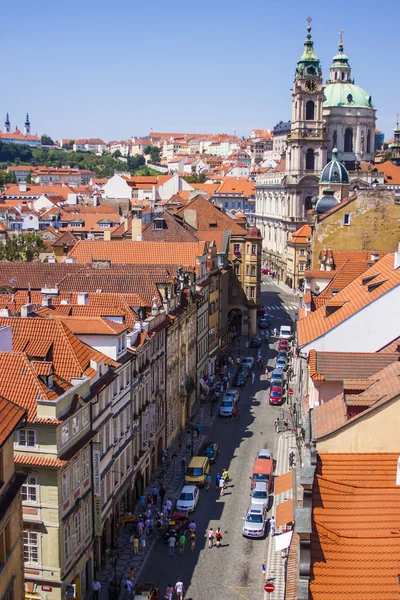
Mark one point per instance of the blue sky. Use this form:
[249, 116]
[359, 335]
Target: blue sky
[113, 70]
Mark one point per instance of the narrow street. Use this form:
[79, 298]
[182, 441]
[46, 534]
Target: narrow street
[234, 569]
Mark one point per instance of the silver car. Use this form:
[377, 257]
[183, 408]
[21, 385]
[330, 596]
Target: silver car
[265, 453]
[259, 494]
[233, 394]
[255, 521]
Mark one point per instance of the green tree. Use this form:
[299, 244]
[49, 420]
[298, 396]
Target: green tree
[6, 177]
[69, 145]
[46, 140]
[117, 154]
[24, 247]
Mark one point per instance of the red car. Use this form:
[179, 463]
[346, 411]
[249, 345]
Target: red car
[265, 271]
[283, 345]
[275, 395]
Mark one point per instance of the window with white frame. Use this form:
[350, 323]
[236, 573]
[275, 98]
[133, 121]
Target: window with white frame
[302, 251]
[85, 417]
[65, 484]
[27, 437]
[75, 425]
[65, 433]
[86, 518]
[76, 473]
[301, 266]
[67, 541]
[346, 219]
[77, 529]
[252, 292]
[31, 547]
[30, 491]
[85, 464]
[108, 436]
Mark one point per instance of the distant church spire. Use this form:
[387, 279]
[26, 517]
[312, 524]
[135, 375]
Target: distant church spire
[7, 124]
[27, 128]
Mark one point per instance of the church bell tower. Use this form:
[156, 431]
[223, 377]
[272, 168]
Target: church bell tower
[307, 143]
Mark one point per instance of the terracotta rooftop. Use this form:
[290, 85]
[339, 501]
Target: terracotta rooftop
[332, 415]
[355, 542]
[238, 186]
[170, 231]
[204, 216]
[355, 296]
[92, 326]
[34, 460]
[302, 235]
[335, 366]
[344, 275]
[10, 416]
[138, 252]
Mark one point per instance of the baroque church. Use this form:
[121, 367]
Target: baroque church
[331, 121]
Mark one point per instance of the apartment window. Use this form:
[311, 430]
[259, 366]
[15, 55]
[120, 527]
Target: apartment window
[248, 248]
[247, 291]
[346, 219]
[253, 271]
[247, 269]
[75, 425]
[77, 529]
[252, 292]
[85, 464]
[301, 266]
[236, 270]
[76, 473]
[301, 251]
[67, 541]
[27, 437]
[29, 490]
[236, 248]
[85, 417]
[31, 547]
[65, 433]
[86, 518]
[253, 249]
[65, 484]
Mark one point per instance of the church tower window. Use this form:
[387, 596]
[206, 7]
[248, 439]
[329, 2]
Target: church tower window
[310, 160]
[335, 139]
[310, 110]
[348, 140]
[369, 142]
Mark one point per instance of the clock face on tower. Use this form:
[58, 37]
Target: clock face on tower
[310, 86]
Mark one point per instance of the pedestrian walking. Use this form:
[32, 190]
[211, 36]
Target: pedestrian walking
[136, 545]
[142, 541]
[140, 527]
[253, 376]
[238, 360]
[154, 493]
[192, 541]
[128, 586]
[183, 464]
[149, 501]
[132, 574]
[169, 591]
[217, 480]
[285, 424]
[221, 486]
[275, 332]
[147, 526]
[171, 545]
[168, 504]
[182, 542]
[218, 537]
[272, 525]
[237, 413]
[96, 587]
[198, 428]
[179, 589]
[208, 481]
[276, 424]
[192, 526]
[210, 537]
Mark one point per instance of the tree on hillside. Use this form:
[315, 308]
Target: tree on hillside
[46, 140]
[6, 177]
[153, 152]
[68, 145]
[24, 247]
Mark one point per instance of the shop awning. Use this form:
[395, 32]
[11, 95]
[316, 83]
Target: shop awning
[283, 483]
[204, 385]
[283, 540]
[284, 513]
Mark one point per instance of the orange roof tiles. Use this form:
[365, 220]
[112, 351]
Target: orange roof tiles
[39, 461]
[139, 252]
[12, 190]
[92, 326]
[391, 172]
[335, 366]
[302, 235]
[355, 296]
[10, 416]
[355, 543]
[237, 186]
[209, 217]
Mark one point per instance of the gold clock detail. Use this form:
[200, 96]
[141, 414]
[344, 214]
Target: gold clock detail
[310, 85]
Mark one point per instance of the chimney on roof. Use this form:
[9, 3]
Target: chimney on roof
[397, 258]
[47, 301]
[5, 312]
[374, 256]
[136, 229]
[51, 260]
[22, 186]
[5, 339]
[70, 260]
[83, 299]
[26, 310]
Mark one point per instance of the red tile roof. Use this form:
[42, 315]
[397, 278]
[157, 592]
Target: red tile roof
[140, 253]
[12, 191]
[92, 325]
[354, 297]
[335, 366]
[205, 216]
[10, 416]
[34, 460]
[355, 542]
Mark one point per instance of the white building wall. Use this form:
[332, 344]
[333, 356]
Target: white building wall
[117, 187]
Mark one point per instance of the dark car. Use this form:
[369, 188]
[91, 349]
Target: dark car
[282, 353]
[255, 342]
[244, 369]
[211, 451]
[284, 345]
[239, 379]
[177, 525]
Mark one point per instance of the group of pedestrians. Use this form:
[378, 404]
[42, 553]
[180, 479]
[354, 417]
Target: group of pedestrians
[181, 540]
[217, 536]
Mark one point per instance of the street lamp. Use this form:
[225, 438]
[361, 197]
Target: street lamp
[114, 589]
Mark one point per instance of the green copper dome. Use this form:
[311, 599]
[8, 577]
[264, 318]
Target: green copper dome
[334, 171]
[347, 94]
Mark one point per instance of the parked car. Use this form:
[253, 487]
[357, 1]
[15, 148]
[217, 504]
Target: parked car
[247, 360]
[282, 354]
[262, 472]
[235, 394]
[227, 405]
[264, 324]
[277, 377]
[255, 342]
[244, 369]
[259, 494]
[285, 332]
[284, 345]
[281, 363]
[211, 450]
[188, 499]
[177, 525]
[255, 521]
[275, 395]
[265, 271]
[265, 453]
[239, 379]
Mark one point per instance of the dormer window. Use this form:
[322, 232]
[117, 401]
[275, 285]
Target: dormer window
[158, 223]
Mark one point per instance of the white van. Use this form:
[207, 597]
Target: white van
[285, 332]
